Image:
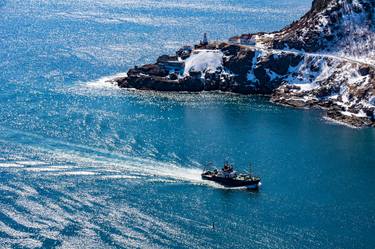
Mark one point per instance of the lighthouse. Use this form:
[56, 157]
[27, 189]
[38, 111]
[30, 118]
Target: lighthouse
[205, 40]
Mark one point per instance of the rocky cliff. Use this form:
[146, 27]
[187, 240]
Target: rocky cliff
[325, 59]
[345, 27]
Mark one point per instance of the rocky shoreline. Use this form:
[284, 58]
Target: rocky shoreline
[296, 66]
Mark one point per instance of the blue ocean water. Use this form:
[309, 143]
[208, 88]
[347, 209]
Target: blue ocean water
[84, 164]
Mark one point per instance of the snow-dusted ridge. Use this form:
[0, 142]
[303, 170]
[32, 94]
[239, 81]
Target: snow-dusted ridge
[342, 78]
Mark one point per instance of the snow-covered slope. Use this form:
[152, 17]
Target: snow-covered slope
[204, 61]
[342, 27]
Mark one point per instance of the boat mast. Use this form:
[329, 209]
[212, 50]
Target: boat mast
[250, 168]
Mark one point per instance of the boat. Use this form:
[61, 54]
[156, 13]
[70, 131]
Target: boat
[228, 177]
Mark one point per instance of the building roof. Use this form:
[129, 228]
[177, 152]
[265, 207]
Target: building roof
[234, 38]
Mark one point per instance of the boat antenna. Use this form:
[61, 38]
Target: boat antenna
[250, 168]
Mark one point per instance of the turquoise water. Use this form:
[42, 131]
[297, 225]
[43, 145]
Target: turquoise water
[87, 165]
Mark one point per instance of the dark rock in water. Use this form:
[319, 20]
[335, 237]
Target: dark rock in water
[154, 83]
[121, 82]
[192, 84]
[149, 69]
[352, 120]
[166, 58]
[295, 103]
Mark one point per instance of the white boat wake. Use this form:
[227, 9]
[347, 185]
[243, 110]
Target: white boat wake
[59, 158]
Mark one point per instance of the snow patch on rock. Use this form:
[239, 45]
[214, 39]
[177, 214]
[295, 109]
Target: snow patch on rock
[204, 61]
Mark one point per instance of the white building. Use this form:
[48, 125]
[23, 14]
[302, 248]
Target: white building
[246, 39]
[235, 40]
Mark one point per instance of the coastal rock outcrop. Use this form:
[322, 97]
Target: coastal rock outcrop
[326, 59]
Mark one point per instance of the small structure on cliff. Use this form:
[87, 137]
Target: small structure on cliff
[184, 52]
[204, 42]
[245, 39]
[171, 64]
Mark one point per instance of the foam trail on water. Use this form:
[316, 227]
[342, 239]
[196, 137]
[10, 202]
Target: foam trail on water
[104, 86]
[9, 165]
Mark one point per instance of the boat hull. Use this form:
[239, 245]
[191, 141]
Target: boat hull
[229, 182]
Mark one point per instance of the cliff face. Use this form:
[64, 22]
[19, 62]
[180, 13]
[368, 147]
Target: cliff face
[337, 38]
[341, 26]
[326, 59]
